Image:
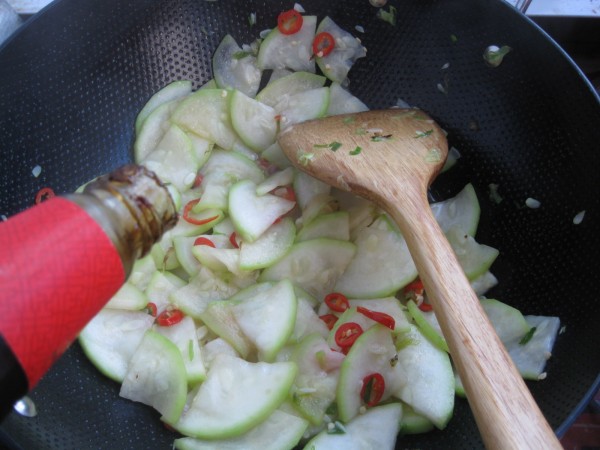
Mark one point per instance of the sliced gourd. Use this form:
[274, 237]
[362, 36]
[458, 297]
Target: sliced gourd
[332, 226]
[530, 357]
[280, 178]
[429, 384]
[206, 113]
[172, 91]
[318, 370]
[183, 250]
[153, 129]
[129, 298]
[279, 431]
[173, 159]
[157, 376]
[371, 353]
[236, 396]
[253, 121]
[427, 329]
[268, 318]
[313, 265]
[303, 106]
[375, 429]
[235, 69]
[270, 247]
[289, 85]
[342, 102]
[413, 422]
[509, 323]
[142, 271]
[280, 51]
[221, 171]
[307, 187]
[184, 336]
[307, 321]
[162, 284]
[202, 289]
[275, 156]
[346, 51]
[109, 340]
[462, 210]
[219, 317]
[474, 258]
[382, 263]
[251, 214]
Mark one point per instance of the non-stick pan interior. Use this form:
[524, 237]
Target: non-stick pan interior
[73, 79]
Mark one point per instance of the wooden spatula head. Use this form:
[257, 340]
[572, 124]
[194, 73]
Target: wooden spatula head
[362, 152]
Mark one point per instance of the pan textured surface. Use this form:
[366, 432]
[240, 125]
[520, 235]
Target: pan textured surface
[74, 77]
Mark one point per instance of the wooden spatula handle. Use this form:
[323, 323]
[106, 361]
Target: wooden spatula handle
[506, 413]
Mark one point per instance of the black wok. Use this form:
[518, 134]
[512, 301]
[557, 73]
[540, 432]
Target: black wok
[74, 77]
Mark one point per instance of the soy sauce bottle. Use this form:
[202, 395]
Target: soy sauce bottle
[62, 260]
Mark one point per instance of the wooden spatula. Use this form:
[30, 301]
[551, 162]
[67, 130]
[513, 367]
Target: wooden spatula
[391, 157]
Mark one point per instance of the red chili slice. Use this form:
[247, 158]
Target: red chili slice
[170, 317]
[204, 241]
[415, 286]
[323, 44]
[384, 319]
[372, 389]
[233, 240]
[186, 214]
[151, 309]
[347, 334]
[198, 181]
[329, 319]
[44, 194]
[425, 307]
[337, 302]
[289, 22]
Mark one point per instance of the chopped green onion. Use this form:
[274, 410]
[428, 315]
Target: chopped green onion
[421, 134]
[240, 54]
[356, 151]
[453, 38]
[252, 19]
[388, 16]
[494, 55]
[349, 119]
[527, 336]
[360, 131]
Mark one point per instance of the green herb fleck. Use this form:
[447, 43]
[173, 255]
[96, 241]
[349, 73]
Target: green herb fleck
[527, 336]
[421, 134]
[388, 16]
[304, 157]
[360, 131]
[252, 19]
[334, 146]
[493, 55]
[403, 114]
[381, 138]
[332, 410]
[349, 119]
[240, 54]
[453, 38]
[356, 151]
[403, 342]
